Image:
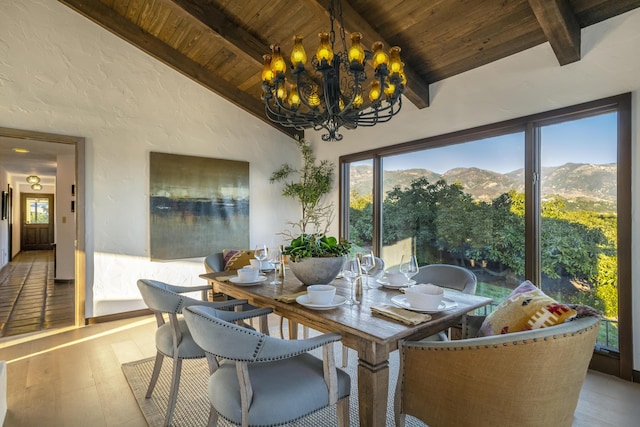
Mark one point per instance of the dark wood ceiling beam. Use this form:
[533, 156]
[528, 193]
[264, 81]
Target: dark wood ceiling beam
[560, 26]
[121, 27]
[225, 29]
[417, 90]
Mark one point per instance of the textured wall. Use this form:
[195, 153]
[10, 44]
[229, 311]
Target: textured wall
[61, 73]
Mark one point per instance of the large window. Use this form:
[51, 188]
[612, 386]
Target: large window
[544, 198]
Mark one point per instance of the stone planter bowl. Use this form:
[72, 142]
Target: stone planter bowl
[317, 271]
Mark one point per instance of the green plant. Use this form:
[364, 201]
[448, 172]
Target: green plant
[316, 245]
[308, 185]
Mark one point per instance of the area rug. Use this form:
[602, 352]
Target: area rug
[192, 407]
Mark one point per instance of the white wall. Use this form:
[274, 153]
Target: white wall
[520, 85]
[65, 218]
[61, 73]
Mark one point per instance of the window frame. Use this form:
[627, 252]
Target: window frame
[620, 364]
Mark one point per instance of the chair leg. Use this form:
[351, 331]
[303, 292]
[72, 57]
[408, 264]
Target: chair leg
[213, 418]
[157, 365]
[173, 394]
[345, 356]
[342, 411]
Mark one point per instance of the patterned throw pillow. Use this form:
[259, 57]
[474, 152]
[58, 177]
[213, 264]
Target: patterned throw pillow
[235, 259]
[526, 308]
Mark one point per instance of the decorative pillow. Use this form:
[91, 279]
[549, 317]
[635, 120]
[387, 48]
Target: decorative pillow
[526, 308]
[235, 259]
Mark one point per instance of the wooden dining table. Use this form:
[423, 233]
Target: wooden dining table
[373, 336]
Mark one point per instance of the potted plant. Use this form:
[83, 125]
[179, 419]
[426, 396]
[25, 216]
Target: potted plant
[315, 258]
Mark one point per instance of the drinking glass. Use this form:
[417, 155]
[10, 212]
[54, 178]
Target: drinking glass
[350, 271]
[367, 262]
[276, 259]
[409, 266]
[261, 253]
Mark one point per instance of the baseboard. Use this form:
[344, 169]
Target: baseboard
[117, 316]
[64, 281]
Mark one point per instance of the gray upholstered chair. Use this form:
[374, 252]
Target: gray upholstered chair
[448, 276]
[530, 378]
[263, 380]
[173, 339]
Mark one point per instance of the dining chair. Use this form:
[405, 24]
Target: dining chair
[173, 339]
[263, 380]
[530, 378]
[450, 277]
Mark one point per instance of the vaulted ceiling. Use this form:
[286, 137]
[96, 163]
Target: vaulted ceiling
[220, 43]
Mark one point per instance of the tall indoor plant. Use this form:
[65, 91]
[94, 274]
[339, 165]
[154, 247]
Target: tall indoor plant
[315, 257]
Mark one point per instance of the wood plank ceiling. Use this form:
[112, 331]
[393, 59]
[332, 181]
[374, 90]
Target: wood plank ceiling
[220, 43]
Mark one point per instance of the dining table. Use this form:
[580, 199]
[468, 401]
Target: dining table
[371, 335]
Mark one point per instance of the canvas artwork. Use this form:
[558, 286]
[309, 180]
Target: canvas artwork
[198, 205]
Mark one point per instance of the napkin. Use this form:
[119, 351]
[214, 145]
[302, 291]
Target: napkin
[400, 314]
[289, 298]
[225, 278]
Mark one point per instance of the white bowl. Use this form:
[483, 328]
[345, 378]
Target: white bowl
[394, 277]
[321, 294]
[424, 297]
[248, 274]
[266, 265]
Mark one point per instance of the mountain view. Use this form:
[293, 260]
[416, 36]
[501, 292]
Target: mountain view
[579, 182]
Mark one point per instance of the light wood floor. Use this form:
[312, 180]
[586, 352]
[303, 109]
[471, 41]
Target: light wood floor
[73, 378]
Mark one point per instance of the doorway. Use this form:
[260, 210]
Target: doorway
[40, 235]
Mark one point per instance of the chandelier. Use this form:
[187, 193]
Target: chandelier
[336, 95]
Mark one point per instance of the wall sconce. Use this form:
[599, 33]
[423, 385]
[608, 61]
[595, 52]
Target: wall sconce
[33, 179]
[36, 187]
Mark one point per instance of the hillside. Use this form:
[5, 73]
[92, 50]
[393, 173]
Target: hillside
[575, 181]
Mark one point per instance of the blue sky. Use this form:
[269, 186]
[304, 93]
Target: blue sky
[589, 140]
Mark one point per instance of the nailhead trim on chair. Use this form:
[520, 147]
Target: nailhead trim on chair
[506, 344]
[260, 343]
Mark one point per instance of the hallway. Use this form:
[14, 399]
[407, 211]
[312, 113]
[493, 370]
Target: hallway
[30, 301]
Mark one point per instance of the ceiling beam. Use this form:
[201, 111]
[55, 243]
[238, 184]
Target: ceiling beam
[417, 90]
[121, 27]
[560, 26]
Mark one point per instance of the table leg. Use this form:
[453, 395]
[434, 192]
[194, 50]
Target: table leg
[373, 389]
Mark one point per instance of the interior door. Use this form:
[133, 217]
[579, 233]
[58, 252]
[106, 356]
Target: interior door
[37, 213]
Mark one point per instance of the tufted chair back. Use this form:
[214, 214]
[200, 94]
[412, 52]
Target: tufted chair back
[266, 380]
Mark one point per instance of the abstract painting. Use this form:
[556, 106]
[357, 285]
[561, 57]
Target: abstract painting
[198, 205]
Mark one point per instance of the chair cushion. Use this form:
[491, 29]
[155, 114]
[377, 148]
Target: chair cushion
[187, 349]
[526, 308]
[235, 259]
[283, 390]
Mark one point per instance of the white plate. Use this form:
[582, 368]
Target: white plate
[337, 301]
[401, 301]
[236, 280]
[383, 281]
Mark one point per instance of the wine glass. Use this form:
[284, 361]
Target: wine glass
[261, 253]
[409, 266]
[367, 262]
[276, 260]
[350, 271]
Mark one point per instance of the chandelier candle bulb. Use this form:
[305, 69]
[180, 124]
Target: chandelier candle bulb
[298, 54]
[277, 61]
[267, 73]
[395, 64]
[356, 53]
[380, 57]
[324, 52]
[374, 93]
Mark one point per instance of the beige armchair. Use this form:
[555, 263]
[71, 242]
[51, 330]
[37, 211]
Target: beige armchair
[530, 378]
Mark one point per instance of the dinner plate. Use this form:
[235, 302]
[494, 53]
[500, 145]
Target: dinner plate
[338, 300]
[383, 281]
[401, 301]
[236, 281]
